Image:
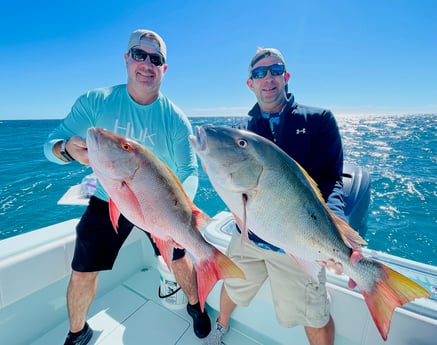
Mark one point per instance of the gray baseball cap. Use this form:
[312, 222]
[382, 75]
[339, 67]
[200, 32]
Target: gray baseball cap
[138, 38]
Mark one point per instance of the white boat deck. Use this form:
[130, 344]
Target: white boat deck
[132, 314]
[34, 272]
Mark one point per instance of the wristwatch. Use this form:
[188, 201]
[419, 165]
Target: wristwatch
[64, 152]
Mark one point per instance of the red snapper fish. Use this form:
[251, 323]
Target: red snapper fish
[270, 194]
[149, 195]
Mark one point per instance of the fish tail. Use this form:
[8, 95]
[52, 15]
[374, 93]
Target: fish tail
[390, 291]
[210, 270]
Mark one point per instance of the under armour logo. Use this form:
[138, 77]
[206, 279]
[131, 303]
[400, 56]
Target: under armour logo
[299, 131]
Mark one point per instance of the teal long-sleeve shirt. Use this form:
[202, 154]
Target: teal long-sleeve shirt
[160, 126]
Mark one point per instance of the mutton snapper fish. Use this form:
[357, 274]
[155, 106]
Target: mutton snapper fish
[270, 194]
[149, 195]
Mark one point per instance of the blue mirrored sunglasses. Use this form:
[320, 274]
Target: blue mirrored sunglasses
[261, 72]
[141, 55]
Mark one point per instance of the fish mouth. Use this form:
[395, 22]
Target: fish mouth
[199, 141]
[94, 137]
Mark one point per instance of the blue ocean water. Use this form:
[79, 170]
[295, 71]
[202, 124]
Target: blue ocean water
[400, 152]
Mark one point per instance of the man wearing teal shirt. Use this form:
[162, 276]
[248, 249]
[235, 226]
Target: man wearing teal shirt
[141, 112]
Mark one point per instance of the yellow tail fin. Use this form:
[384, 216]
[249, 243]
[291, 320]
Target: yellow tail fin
[209, 271]
[390, 291]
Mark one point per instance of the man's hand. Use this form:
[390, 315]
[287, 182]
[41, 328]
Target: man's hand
[332, 265]
[76, 147]
[337, 267]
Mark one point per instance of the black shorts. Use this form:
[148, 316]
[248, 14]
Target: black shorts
[97, 243]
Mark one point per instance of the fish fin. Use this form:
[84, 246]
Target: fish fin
[204, 167]
[391, 290]
[114, 214]
[311, 268]
[356, 256]
[349, 236]
[241, 226]
[245, 229]
[210, 270]
[201, 219]
[165, 249]
[244, 232]
[313, 183]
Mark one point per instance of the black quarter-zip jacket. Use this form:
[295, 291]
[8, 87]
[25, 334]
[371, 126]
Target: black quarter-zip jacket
[311, 137]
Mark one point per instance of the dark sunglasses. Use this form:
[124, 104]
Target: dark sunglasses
[141, 55]
[261, 72]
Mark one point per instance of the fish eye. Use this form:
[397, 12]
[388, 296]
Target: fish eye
[126, 147]
[241, 142]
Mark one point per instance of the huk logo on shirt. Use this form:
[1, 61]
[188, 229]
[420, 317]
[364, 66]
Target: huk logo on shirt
[128, 131]
[301, 131]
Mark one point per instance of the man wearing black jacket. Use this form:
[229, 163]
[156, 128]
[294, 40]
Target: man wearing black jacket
[311, 137]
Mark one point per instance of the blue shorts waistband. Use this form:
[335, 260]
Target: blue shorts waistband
[260, 242]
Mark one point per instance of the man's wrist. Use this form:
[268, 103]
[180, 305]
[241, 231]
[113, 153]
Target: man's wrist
[64, 153]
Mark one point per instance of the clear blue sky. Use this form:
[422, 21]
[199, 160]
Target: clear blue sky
[352, 56]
